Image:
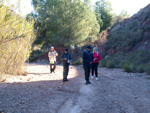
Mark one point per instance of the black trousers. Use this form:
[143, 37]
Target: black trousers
[52, 67]
[87, 72]
[95, 69]
[65, 71]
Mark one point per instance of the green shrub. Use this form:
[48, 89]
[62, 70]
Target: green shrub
[130, 62]
[117, 63]
[110, 64]
[34, 55]
[117, 59]
[138, 57]
[148, 69]
[102, 63]
[148, 78]
[143, 56]
[128, 67]
[16, 37]
[77, 62]
[140, 69]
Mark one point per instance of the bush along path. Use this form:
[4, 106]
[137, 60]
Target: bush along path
[41, 92]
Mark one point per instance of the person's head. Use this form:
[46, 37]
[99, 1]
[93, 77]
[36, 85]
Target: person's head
[52, 48]
[66, 51]
[88, 48]
[95, 50]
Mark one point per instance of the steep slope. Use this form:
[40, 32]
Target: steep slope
[127, 44]
[132, 34]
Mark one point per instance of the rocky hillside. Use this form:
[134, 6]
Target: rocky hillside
[127, 44]
[130, 35]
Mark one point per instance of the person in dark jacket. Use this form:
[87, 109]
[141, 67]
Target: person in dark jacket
[66, 60]
[87, 63]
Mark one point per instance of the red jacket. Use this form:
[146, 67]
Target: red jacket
[98, 57]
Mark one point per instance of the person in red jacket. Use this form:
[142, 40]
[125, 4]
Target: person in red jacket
[97, 58]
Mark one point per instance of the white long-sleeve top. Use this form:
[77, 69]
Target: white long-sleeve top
[52, 56]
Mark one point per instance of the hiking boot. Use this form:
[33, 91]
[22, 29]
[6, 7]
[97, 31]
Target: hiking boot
[89, 82]
[86, 83]
[67, 80]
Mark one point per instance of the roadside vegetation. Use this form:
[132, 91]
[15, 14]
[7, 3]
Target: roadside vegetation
[16, 37]
[128, 44]
[131, 62]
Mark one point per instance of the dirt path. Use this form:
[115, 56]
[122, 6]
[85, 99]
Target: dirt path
[40, 92]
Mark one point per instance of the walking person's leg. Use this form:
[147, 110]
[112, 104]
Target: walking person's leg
[96, 70]
[89, 70]
[67, 71]
[54, 67]
[92, 71]
[50, 68]
[86, 74]
[64, 72]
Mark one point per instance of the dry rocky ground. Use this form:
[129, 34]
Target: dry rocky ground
[41, 92]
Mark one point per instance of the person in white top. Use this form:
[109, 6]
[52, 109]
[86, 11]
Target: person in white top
[52, 54]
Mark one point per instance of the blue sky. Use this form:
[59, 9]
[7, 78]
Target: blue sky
[131, 6]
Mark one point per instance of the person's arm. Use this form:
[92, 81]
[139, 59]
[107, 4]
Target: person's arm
[49, 56]
[84, 58]
[62, 57]
[56, 54]
[99, 57]
[92, 58]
